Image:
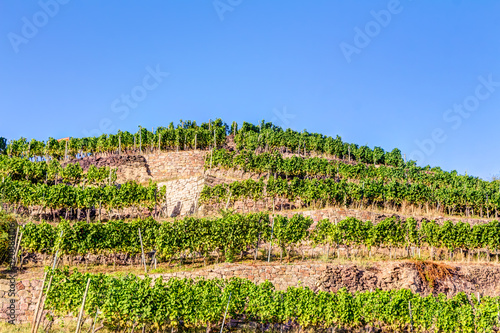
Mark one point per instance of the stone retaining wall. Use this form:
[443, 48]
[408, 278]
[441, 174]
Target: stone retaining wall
[26, 297]
[182, 195]
[282, 276]
[176, 165]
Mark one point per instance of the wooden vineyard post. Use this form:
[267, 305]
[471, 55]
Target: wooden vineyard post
[80, 315]
[17, 249]
[411, 316]
[166, 203]
[153, 261]
[66, 151]
[55, 260]
[140, 141]
[119, 144]
[40, 313]
[228, 199]
[155, 201]
[498, 313]
[195, 137]
[142, 250]
[17, 235]
[94, 321]
[225, 313]
[258, 241]
[35, 315]
[159, 142]
[271, 242]
[57, 252]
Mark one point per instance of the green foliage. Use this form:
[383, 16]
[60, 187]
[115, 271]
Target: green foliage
[17, 168]
[130, 300]
[359, 183]
[5, 224]
[30, 195]
[233, 233]
[184, 136]
[190, 236]
[3, 145]
[290, 231]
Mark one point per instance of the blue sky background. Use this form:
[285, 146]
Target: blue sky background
[253, 60]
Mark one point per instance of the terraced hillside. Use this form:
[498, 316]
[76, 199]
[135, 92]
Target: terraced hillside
[287, 230]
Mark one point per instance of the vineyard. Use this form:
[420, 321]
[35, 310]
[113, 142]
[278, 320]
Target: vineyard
[234, 234]
[252, 197]
[132, 303]
[318, 181]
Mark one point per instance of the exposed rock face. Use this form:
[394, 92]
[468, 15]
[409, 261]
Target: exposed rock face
[423, 278]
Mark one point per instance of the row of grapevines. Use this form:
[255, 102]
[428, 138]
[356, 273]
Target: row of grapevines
[5, 225]
[231, 234]
[17, 168]
[267, 136]
[395, 233]
[30, 195]
[188, 135]
[227, 236]
[122, 303]
[185, 135]
[297, 166]
[3, 145]
[329, 191]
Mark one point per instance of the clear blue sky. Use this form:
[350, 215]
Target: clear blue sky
[382, 73]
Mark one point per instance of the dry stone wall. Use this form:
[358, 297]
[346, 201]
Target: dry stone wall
[176, 165]
[468, 278]
[282, 276]
[184, 175]
[182, 196]
[25, 299]
[181, 172]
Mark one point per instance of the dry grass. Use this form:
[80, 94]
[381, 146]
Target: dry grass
[63, 326]
[430, 271]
